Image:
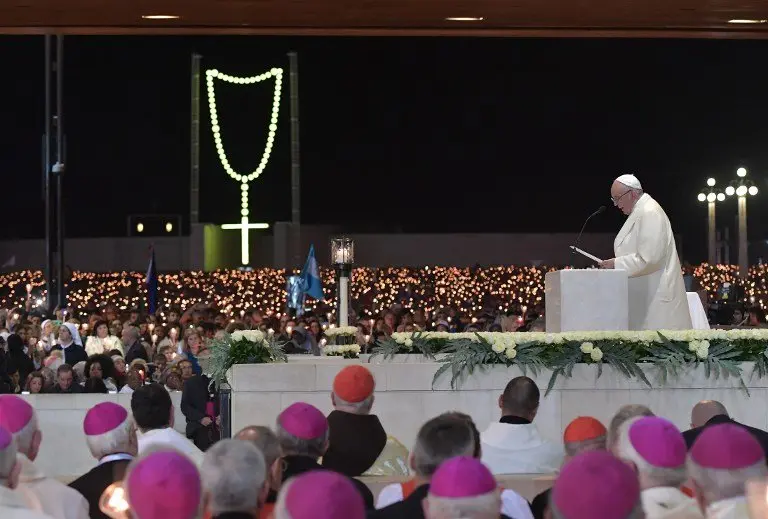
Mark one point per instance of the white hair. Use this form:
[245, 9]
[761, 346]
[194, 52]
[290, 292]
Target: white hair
[486, 506]
[233, 474]
[654, 476]
[121, 439]
[636, 513]
[593, 444]
[25, 436]
[718, 484]
[292, 445]
[7, 461]
[362, 407]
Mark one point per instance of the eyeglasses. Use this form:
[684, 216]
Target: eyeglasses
[616, 200]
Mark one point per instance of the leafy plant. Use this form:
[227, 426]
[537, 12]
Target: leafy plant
[669, 359]
[226, 352]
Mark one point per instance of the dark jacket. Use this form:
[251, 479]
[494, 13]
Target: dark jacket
[691, 434]
[355, 442]
[94, 482]
[295, 465]
[74, 388]
[136, 351]
[540, 503]
[21, 360]
[72, 353]
[195, 395]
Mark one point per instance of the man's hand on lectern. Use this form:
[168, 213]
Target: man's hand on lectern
[608, 264]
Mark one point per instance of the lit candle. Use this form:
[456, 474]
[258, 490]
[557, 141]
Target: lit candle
[289, 329]
[29, 289]
[154, 338]
[271, 331]
[151, 327]
[84, 326]
[242, 314]
[367, 339]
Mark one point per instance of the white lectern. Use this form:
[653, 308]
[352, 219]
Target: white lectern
[586, 300]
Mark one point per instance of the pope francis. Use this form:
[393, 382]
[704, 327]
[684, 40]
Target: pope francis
[645, 248]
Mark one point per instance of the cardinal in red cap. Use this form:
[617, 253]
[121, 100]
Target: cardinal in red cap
[111, 438]
[721, 461]
[583, 434]
[358, 444]
[302, 430]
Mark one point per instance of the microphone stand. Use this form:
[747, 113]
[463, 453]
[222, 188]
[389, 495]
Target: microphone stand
[578, 238]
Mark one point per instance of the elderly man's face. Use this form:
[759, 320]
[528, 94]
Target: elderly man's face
[622, 197]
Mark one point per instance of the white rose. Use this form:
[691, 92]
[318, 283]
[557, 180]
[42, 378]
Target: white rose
[408, 343]
[237, 335]
[498, 347]
[596, 354]
[693, 345]
[559, 339]
[549, 339]
[703, 351]
[587, 347]
[511, 353]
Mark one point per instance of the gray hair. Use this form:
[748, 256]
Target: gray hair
[122, 439]
[291, 445]
[655, 476]
[233, 474]
[133, 332]
[440, 439]
[622, 415]
[718, 484]
[486, 506]
[25, 436]
[7, 461]
[593, 444]
[362, 407]
[636, 513]
[264, 439]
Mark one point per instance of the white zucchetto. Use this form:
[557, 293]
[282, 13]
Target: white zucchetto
[629, 181]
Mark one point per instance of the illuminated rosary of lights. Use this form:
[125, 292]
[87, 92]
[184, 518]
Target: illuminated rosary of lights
[471, 291]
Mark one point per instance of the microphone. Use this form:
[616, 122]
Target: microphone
[578, 238]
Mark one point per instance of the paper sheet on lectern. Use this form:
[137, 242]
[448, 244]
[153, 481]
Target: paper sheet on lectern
[587, 254]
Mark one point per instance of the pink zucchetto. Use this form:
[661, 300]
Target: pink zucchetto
[103, 418]
[596, 480]
[5, 438]
[462, 477]
[727, 447]
[658, 442]
[322, 494]
[15, 413]
[164, 485]
[303, 421]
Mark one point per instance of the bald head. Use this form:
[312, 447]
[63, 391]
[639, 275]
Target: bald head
[705, 410]
[263, 438]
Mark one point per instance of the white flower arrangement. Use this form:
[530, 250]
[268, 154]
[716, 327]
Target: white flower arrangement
[348, 351]
[256, 336]
[341, 330]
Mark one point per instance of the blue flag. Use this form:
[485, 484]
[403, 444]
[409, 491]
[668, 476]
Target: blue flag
[310, 276]
[151, 282]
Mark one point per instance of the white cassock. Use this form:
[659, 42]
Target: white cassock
[645, 248]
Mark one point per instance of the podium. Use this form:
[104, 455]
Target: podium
[586, 300]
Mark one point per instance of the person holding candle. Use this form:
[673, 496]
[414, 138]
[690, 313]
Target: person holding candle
[100, 340]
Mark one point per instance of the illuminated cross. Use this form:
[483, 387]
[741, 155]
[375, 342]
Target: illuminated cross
[244, 226]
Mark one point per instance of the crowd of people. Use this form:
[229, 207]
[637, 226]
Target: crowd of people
[310, 466]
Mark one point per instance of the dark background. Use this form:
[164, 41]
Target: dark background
[411, 135]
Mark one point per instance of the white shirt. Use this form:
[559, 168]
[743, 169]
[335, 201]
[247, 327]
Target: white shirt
[519, 449]
[734, 508]
[176, 440]
[512, 504]
[668, 503]
[12, 506]
[48, 495]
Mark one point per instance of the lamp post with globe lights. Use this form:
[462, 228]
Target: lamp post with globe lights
[741, 187]
[711, 196]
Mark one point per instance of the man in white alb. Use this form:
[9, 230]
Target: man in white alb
[645, 248]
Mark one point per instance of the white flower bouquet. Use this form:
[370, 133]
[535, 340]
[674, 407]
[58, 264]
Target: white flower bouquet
[347, 351]
[243, 347]
[342, 335]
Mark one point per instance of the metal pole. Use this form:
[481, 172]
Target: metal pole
[743, 259]
[49, 199]
[293, 61]
[59, 166]
[711, 242]
[194, 162]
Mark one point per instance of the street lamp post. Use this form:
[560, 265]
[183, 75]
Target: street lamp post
[742, 187]
[343, 257]
[711, 197]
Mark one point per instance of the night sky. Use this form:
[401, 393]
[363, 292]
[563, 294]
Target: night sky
[412, 135]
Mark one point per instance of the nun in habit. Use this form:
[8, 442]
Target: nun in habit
[645, 248]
